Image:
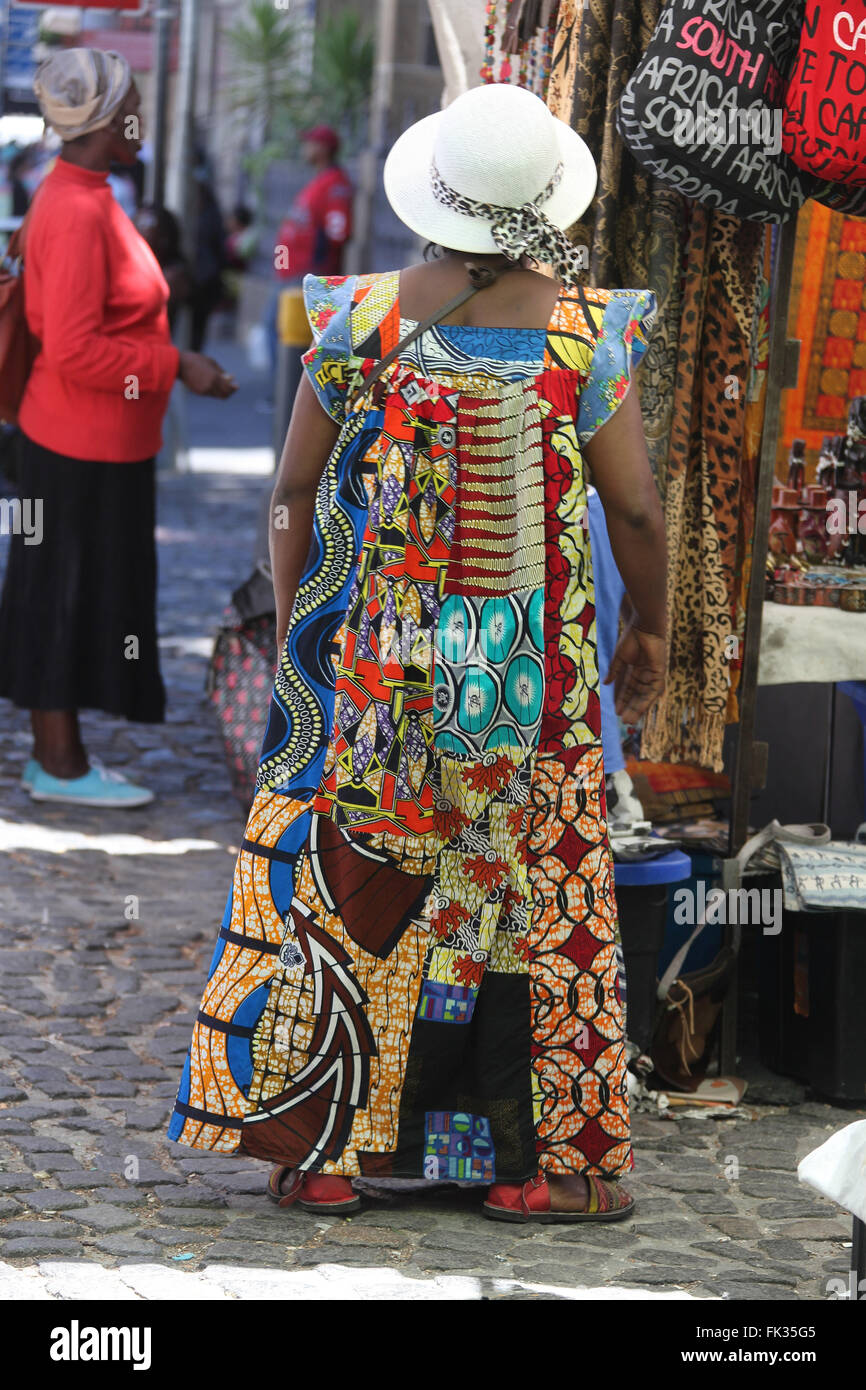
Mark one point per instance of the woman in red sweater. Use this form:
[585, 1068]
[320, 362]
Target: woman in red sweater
[78, 610]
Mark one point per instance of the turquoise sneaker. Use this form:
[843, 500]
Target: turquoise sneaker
[29, 773]
[98, 787]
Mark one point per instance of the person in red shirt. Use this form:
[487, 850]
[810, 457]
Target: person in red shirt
[313, 236]
[311, 239]
[78, 609]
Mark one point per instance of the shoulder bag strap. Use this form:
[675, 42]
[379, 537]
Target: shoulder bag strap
[482, 277]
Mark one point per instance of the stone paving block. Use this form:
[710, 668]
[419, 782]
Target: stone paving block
[85, 1178]
[114, 1088]
[681, 1183]
[647, 1276]
[129, 1245]
[365, 1256]
[710, 1203]
[41, 1143]
[738, 1227]
[673, 1232]
[189, 1196]
[406, 1219]
[48, 1110]
[146, 1117]
[257, 1255]
[606, 1236]
[763, 1270]
[296, 1230]
[47, 1229]
[343, 1232]
[763, 1160]
[50, 1199]
[53, 1162]
[141, 1009]
[95, 1126]
[805, 1210]
[8, 1206]
[238, 1182]
[838, 1229]
[756, 1293]
[553, 1272]
[149, 1174]
[785, 1186]
[8, 1094]
[84, 1281]
[34, 1245]
[784, 1248]
[104, 1217]
[487, 1242]
[17, 1182]
[211, 1163]
[215, 1219]
[167, 1235]
[11, 1124]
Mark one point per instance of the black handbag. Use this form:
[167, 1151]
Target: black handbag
[703, 110]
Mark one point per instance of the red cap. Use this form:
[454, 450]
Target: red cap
[323, 135]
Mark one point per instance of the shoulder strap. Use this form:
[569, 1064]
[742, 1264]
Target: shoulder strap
[481, 278]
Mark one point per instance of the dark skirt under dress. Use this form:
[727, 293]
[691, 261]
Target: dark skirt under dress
[72, 603]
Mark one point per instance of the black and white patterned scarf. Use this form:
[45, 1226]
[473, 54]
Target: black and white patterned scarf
[523, 231]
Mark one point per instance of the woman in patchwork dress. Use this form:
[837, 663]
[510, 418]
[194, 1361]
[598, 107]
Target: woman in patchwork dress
[416, 975]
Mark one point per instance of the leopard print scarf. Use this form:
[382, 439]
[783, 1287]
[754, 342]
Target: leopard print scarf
[523, 231]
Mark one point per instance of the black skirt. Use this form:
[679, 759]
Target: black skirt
[78, 609]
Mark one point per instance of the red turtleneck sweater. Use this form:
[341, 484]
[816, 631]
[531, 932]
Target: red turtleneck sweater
[96, 300]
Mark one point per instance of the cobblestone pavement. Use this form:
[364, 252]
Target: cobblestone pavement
[96, 1007]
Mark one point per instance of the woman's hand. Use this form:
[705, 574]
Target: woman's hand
[637, 671]
[205, 377]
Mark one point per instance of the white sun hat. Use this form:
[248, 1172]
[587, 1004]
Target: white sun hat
[495, 171]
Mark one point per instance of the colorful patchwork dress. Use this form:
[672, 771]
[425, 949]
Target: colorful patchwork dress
[417, 972]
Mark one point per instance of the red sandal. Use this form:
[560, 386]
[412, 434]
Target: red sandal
[314, 1192]
[530, 1201]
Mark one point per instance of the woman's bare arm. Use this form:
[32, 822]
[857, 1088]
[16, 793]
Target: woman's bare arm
[618, 459]
[311, 437]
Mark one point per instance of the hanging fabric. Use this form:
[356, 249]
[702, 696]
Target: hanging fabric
[634, 227]
[701, 112]
[824, 120]
[524, 30]
[827, 317]
[703, 485]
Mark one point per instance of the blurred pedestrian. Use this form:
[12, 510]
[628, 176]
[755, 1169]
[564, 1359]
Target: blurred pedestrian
[161, 230]
[313, 236]
[242, 238]
[78, 609]
[209, 258]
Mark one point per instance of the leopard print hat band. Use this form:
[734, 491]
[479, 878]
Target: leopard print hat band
[520, 231]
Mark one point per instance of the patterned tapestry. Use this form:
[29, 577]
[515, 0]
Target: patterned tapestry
[828, 315]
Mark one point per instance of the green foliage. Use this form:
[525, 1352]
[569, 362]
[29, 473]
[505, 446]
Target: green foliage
[264, 45]
[278, 99]
[343, 63]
